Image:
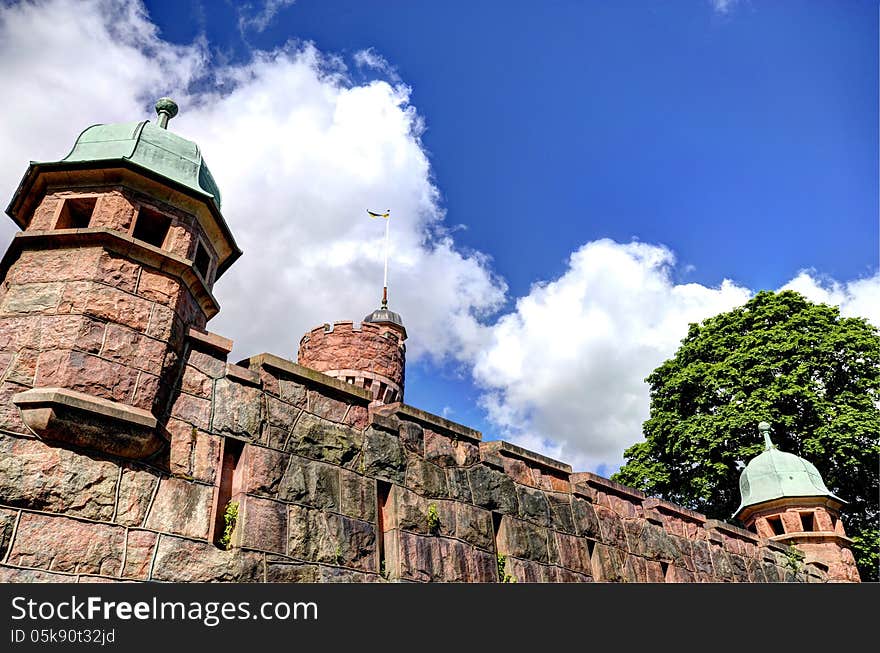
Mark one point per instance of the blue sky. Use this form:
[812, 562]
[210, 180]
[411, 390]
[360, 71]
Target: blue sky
[591, 175]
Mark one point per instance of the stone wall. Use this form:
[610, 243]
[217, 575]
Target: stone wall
[328, 488]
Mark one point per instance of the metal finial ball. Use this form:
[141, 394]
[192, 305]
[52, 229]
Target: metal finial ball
[167, 105]
[763, 426]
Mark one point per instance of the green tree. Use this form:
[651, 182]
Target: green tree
[779, 358]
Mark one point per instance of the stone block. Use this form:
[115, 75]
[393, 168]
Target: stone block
[139, 549]
[32, 298]
[193, 410]
[339, 575]
[634, 570]
[412, 436]
[86, 373]
[457, 484]
[57, 543]
[136, 489]
[573, 553]
[264, 470]
[518, 470]
[310, 482]
[281, 414]
[285, 571]
[439, 449]
[523, 540]
[22, 367]
[722, 565]
[525, 571]
[611, 527]
[208, 364]
[41, 477]
[293, 393]
[420, 557]
[533, 505]
[357, 496]
[702, 560]
[473, 525]
[7, 524]
[607, 564]
[237, 409]
[411, 513]
[262, 525]
[181, 507]
[383, 456]
[318, 536]
[326, 407]
[492, 489]
[423, 477]
[196, 383]
[187, 561]
[10, 417]
[158, 287]
[561, 517]
[319, 439]
[118, 272]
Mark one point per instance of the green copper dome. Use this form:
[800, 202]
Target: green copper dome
[775, 474]
[148, 146]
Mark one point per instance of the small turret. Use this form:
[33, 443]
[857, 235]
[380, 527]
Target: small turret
[785, 499]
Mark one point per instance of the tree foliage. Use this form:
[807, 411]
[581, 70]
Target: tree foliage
[779, 358]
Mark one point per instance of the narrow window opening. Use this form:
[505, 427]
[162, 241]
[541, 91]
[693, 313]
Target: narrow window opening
[383, 494]
[664, 568]
[776, 524]
[76, 213]
[808, 523]
[202, 261]
[151, 227]
[226, 510]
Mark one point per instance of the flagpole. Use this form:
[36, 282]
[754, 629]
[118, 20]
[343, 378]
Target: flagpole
[385, 280]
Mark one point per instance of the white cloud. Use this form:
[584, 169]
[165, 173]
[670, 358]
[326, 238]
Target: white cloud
[723, 6]
[564, 373]
[298, 151]
[261, 19]
[372, 60]
[858, 298]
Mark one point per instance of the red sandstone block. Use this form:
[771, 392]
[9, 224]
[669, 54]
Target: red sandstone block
[264, 469]
[180, 240]
[183, 561]
[114, 211]
[107, 303]
[193, 410]
[147, 391]
[61, 544]
[420, 557]
[139, 554]
[263, 525]
[136, 488]
[326, 407]
[573, 553]
[161, 322]
[133, 349]
[181, 507]
[117, 271]
[612, 528]
[10, 416]
[17, 331]
[23, 367]
[34, 298]
[357, 417]
[44, 215]
[85, 373]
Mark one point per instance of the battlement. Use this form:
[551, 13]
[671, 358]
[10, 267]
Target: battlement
[368, 355]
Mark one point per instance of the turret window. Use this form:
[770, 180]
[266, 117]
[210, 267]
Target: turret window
[776, 524]
[151, 226]
[808, 523]
[76, 213]
[202, 261]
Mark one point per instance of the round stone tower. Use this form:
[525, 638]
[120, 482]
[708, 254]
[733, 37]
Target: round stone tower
[785, 499]
[371, 355]
[120, 244]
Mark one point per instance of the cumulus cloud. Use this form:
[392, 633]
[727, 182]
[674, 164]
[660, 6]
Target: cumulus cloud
[299, 153]
[564, 373]
[858, 298]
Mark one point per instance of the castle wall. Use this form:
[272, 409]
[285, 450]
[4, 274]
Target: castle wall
[328, 488]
